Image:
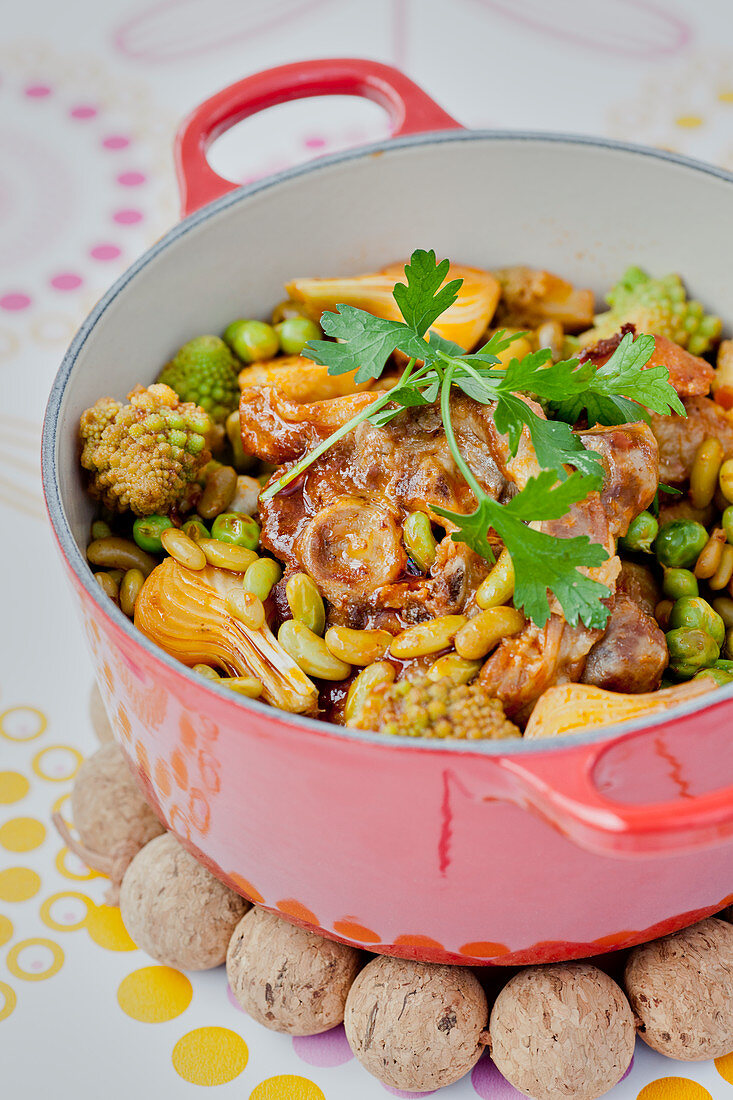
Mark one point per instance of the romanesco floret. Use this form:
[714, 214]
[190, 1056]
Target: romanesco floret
[145, 455]
[658, 306]
[205, 371]
[437, 708]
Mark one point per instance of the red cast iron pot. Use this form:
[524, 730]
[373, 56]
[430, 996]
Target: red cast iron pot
[471, 853]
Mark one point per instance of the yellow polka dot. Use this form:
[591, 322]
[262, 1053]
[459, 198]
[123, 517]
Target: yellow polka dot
[674, 1088]
[63, 868]
[210, 1056]
[22, 834]
[22, 723]
[104, 925]
[71, 907]
[288, 1086]
[33, 970]
[57, 763]
[8, 1002]
[725, 97]
[19, 884]
[13, 787]
[6, 929]
[724, 1067]
[154, 994]
[689, 122]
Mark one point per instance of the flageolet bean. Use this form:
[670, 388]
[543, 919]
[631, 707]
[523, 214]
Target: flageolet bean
[247, 608]
[710, 555]
[454, 668]
[310, 652]
[246, 499]
[116, 575]
[662, 612]
[108, 585]
[362, 687]
[357, 647]
[118, 553]
[186, 552]
[242, 461]
[499, 585]
[725, 480]
[429, 637]
[724, 606]
[100, 529]
[221, 485]
[306, 602]
[705, 469]
[482, 633]
[132, 582]
[261, 577]
[206, 671]
[419, 540]
[245, 685]
[226, 556]
[722, 575]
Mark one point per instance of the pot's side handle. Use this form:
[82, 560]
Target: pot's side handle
[563, 787]
[411, 111]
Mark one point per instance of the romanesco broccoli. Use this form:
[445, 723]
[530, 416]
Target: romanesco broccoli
[658, 306]
[205, 371]
[145, 455]
[437, 708]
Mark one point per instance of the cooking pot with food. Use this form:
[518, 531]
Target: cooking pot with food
[478, 852]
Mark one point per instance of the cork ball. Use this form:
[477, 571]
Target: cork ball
[98, 716]
[175, 909]
[287, 978]
[109, 812]
[562, 1030]
[681, 989]
[416, 1026]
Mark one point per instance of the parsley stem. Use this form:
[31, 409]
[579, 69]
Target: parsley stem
[451, 437]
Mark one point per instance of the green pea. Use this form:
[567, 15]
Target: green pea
[727, 522]
[295, 332]
[146, 531]
[641, 533]
[725, 666]
[720, 677]
[252, 340]
[689, 651]
[696, 613]
[680, 542]
[100, 529]
[237, 529]
[678, 583]
[196, 529]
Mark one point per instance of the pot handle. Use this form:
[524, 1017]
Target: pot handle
[410, 109]
[563, 786]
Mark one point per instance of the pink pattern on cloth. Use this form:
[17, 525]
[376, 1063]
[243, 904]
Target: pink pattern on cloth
[115, 141]
[83, 112]
[489, 1084]
[330, 1048]
[105, 252]
[37, 91]
[127, 217]
[14, 302]
[407, 1095]
[131, 179]
[66, 281]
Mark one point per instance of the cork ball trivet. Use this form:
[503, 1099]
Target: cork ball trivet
[416, 1026]
[175, 909]
[287, 978]
[562, 1031]
[681, 989]
[112, 819]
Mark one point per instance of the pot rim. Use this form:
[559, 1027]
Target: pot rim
[73, 556]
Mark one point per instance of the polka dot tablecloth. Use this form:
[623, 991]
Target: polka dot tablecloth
[89, 97]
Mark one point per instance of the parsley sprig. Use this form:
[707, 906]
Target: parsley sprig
[618, 392]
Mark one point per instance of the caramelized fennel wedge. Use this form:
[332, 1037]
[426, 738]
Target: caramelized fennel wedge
[570, 708]
[183, 611]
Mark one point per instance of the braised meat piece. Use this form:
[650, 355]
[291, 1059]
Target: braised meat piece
[632, 654]
[630, 456]
[679, 437]
[639, 584]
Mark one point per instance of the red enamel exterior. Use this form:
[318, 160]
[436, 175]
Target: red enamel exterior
[419, 850]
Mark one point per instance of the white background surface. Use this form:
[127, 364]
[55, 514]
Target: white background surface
[656, 73]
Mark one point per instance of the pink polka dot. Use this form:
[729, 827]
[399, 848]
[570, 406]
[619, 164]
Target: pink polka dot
[83, 111]
[315, 141]
[131, 179]
[115, 141]
[37, 91]
[14, 301]
[127, 217]
[406, 1095]
[489, 1084]
[66, 281]
[105, 252]
[330, 1048]
[232, 999]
